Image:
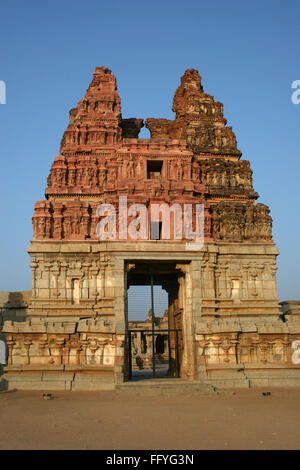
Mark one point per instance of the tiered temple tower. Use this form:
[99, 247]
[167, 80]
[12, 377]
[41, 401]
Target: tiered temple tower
[222, 296]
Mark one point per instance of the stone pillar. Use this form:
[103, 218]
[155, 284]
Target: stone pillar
[10, 342]
[86, 270]
[47, 267]
[118, 284]
[186, 290]
[139, 342]
[33, 265]
[245, 277]
[55, 270]
[64, 267]
[172, 290]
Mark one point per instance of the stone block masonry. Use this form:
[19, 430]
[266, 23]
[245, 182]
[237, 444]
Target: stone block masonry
[71, 331]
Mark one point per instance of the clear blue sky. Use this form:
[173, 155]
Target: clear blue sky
[246, 51]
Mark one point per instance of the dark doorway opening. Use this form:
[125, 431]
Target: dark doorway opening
[155, 230]
[154, 340]
[154, 169]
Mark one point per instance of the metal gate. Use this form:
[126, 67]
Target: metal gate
[174, 336]
[175, 345]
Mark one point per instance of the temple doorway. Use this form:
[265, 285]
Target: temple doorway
[155, 309]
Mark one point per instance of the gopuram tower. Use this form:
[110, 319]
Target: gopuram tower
[224, 324]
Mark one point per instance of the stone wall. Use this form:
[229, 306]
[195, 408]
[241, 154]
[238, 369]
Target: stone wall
[13, 307]
[290, 307]
[74, 336]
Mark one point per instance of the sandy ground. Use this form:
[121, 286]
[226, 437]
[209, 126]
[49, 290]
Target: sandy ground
[107, 420]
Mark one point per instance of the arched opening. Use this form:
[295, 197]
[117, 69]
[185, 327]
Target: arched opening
[144, 133]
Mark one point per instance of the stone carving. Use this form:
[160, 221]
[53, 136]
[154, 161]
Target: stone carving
[236, 221]
[225, 177]
[262, 222]
[199, 120]
[62, 347]
[42, 220]
[238, 347]
[103, 103]
[97, 124]
[222, 295]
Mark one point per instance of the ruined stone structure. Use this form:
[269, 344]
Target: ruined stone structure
[222, 296]
[13, 307]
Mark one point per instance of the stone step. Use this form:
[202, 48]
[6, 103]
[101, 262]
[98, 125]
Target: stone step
[165, 387]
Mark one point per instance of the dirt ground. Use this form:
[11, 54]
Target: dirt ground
[107, 420]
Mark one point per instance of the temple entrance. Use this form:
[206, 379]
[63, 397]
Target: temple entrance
[155, 310]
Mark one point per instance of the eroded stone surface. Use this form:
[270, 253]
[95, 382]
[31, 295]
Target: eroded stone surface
[199, 120]
[222, 297]
[102, 159]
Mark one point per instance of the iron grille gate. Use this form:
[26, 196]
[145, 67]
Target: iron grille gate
[174, 362]
[154, 333]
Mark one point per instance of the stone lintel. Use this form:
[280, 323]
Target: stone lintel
[156, 247]
[216, 326]
[39, 327]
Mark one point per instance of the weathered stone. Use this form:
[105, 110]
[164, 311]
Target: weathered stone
[223, 301]
[131, 127]
[199, 120]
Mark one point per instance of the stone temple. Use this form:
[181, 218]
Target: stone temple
[223, 326]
